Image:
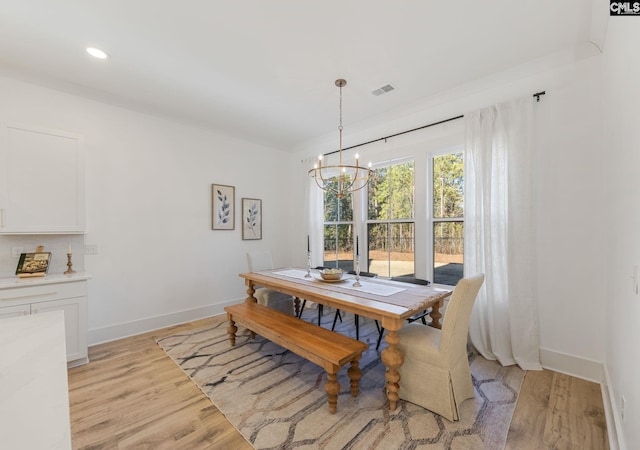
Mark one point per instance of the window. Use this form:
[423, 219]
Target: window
[338, 230]
[448, 218]
[391, 224]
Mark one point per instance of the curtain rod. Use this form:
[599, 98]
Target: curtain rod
[537, 95]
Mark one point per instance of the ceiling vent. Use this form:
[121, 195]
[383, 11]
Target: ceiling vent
[383, 90]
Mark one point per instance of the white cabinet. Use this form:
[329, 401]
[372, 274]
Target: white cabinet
[42, 181]
[55, 293]
[15, 311]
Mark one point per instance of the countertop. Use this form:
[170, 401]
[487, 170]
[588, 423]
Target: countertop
[14, 282]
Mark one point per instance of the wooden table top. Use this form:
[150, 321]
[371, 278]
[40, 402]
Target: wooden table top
[406, 300]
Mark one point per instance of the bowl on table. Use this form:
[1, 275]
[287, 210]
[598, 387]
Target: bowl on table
[331, 274]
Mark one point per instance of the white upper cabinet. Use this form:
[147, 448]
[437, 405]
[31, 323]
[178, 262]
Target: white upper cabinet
[42, 186]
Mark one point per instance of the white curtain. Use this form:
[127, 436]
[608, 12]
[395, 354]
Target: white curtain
[499, 236]
[314, 207]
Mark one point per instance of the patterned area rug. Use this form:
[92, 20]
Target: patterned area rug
[276, 399]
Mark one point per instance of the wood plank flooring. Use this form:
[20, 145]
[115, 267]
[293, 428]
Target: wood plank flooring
[132, 396]
[556, 411]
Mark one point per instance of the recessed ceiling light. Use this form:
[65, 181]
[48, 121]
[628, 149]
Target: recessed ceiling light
[97, 53]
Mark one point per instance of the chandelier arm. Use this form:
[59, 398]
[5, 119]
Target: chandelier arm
[317, 173]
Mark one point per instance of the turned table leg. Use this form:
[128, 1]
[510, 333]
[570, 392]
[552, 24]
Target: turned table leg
[332, 387]
[296, 303]
[392, 358]
[436, 315]
[355, 374]
[250, 291]
[232, 329]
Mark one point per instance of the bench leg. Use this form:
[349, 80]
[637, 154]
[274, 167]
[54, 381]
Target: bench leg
[333, 389]
[231, 329]
[355, 374]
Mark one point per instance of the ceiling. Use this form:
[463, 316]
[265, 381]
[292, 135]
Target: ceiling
[264, 70]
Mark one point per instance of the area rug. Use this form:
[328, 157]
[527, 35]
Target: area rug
[276, 399]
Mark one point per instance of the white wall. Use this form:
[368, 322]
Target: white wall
[149, 210]
[568, 193]
[621, 311]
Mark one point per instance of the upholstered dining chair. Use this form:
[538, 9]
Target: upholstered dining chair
[421, 316]
[435, 373]
[258, 261]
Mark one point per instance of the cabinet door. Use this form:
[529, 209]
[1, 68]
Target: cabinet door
[13, 311]
[41, 181]
[75, 323]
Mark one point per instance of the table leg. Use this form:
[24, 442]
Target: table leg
[296, 302]
[392, 358]
[355, 374]
[231, 329]
[250, 291]
[436, 315]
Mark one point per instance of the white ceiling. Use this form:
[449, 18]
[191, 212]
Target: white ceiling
[264, 70]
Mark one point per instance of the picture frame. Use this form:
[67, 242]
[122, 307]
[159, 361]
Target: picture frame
[33, 264]
[251, 219]
[223, 207]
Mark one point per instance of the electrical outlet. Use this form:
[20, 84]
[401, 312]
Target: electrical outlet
[16, 252]
[623, 403]
[90, 249]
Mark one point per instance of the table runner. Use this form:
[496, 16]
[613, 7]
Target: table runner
[368, 287]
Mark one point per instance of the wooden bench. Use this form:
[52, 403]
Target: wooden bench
[323, 347]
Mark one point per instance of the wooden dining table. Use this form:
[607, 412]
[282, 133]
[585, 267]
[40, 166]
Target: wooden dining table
[388, 302]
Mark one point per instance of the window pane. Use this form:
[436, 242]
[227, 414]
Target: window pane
[378, 257]
[391, 192]
[391, 249]
[402, 191]
[448, 185]
[379, 195]
[338, 246]
[337, 209]
[448, 252]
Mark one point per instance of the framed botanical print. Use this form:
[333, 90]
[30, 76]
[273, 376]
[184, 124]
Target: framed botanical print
[251, 218]
[222, 207]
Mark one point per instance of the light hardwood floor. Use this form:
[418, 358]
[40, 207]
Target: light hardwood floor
[132, 396]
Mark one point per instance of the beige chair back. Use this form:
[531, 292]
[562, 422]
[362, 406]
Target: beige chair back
[455, 325]
[258, 261]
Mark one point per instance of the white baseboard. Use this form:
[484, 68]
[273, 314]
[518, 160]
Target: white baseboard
[126, 329]
[614, 421]
[586, 369]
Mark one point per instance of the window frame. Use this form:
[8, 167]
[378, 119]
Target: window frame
[365, 199]
[337, 223]
[431, 220]
[421, 149]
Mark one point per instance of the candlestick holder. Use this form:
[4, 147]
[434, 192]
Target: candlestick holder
[69, 270]
[308, 275]
[357, 283]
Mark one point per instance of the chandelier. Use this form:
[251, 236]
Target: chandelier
[341, 179]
